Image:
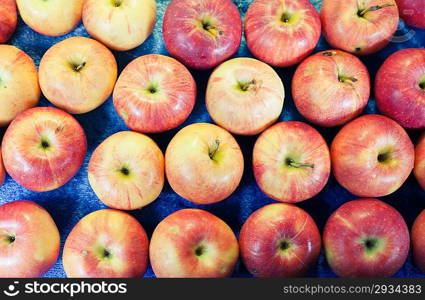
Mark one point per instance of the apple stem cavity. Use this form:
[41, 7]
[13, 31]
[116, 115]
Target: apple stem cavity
[214, 149]
[125, 171]
[361, 13]
[246, 86]
[329, 53]
[117, 3]
[422, 85]
[291, 163]
[284, 245]
[199, 251]
[343, 79]
[77, 67]
[211, 28]
[10, 238]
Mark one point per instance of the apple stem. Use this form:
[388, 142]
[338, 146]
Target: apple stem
[212, 151]
[290, 162]
[347, 78]
[374, 8]
[245, 86]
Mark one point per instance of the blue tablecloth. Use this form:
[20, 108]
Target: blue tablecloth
[71, 202]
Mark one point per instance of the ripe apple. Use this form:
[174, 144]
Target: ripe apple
[126, 171]
[418, 241]
[400, 88]
[202, 33]
[366, 238]
[43, 148]
[244, 96]
[331, 88]
[372, 156]
[360, 27]
[419, 169]
[279, 240]
[120, 24]
[52, 18]
[282, 32]
[203, 163]
[291, 162]
[412, 12]
[8, 19]
[2, 170]
[107, 243]
[154, 93]
[19, 89]
[29, 240]
[193, 243]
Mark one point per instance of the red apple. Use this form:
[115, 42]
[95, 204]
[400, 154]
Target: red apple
[279, 240]
[372, 156]
[29, 240]
[245, 96]
[2, 170]
[202, 33]
[193, 243]
[418, 241]
[8, 19]
[331, 88]
[366, 238]
[419, 169]
[360, 27]
[106, 244]
[43, 148]
[282, 32]
[291, 162]
[154, 93]
[412, 12]
[400, 88]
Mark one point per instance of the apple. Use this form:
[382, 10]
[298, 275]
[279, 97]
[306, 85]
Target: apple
[52, 18]
[282, 32]
[331, 88]
[120, 24]
[8, 19]
[202, 33]
[2, 170]
[360, 27]
[29, 240]
[203, 163]
[419, 169]
[154, 93]
[19, 89]
[400, 88]
[193, 243]
[244, 96]
[372, 156]
[106, 244]
[366, 238]
[126, 171]
[43, 148]
[70, 72]
[412, 12]
[418, 241]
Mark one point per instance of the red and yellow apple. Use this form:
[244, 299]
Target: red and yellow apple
[412, 12]
[418, 241]
[419, 169]
[2, 170]
[8, 19]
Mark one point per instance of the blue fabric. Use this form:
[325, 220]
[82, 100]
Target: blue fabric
[71, 202]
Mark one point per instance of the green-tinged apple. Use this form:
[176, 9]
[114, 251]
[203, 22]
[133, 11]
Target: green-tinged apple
[78, 74]
[126, 171]
[107, 243]
[372, 156]
[154, 93]
[193, 243]
[331, 88]
[2, 170]
[204, 163]
[366, 238]
[8, 19]
[418, 241]
[419, 169]
[43, 148]
[29, 240]
[245, 96]
[291, 162]
[412, 12]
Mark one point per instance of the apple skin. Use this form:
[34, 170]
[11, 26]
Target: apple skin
[120, 24]
[107, 243]
[204, 163]
[244, 96]
[8, 19]
[198, 48]
[328, 98]
[43, 148]
[358, 223]
[372, 156]
[276, 153]
[126, 171]
[277, 42]
[418, 241]
[412, 12]
[2, 170]
[36, 241]
[400, 88]
[51, 18]
[19, 89]
[345, 30]
[193, 243]
[167, 107]
[279, 240]
[419, 169]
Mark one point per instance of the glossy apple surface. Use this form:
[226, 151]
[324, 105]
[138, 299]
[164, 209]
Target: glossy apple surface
[29, 240]
[245, 96]
[331, 88]
[372, 156]
[2, 170]
[70, 74]
[202, 33]
[154, 93]
[419, 169]
[8, 19]
[282, 32]
[193, 243]
[412, 12]
[43, 148]
[106, 244]
[418, 241]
